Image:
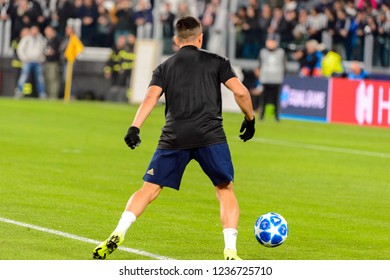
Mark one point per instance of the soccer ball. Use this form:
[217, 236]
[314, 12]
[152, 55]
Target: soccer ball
[271, 229]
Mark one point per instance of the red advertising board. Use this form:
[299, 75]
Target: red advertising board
[361, 102]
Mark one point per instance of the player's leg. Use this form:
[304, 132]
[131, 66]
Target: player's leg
[229, 209]
[165, 169]
[134, 208]
[216, 162]
[136, 205]
[141, 198]
[229, 215]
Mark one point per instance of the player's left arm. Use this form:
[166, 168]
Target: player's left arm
[152, 96]
[242, 97]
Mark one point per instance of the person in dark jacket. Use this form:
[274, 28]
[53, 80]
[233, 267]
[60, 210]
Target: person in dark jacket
[89, 15]
[118, 68]
[125, 22]
[23, 14]
[65, 11]
[52, 64]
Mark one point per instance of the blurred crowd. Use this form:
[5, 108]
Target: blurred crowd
[41, 60]
[100, 22]
[319, 34]
[40, 31]
[343, 23]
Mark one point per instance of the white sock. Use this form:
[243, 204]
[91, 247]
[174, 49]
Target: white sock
[125, 222]
[230, 237]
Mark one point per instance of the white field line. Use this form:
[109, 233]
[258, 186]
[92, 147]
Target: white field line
[82, 239]
[321, 148]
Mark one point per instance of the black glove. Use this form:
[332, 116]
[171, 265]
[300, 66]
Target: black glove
[132, 137]
[248, 127]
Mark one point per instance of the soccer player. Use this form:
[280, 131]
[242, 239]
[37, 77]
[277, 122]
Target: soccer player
[191, 81]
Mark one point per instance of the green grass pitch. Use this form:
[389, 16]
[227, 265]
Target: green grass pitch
[66, 167]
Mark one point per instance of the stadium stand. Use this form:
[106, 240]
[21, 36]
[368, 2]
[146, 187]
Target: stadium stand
[357, 30]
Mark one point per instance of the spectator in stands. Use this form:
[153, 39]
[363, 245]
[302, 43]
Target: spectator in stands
[238, 20]
[272, 64]
[324, 4]
[251, 31]
[52, 64]
[332, 63]
[65, 10]
[356, 71]
[88, 15]
[167, 18]
[118, 69]
[255, 4]
[301, 29]
[331, 21]
[386, 58]
[382, 52]
[183, 10]
[36, 12]
[338, 5]
[16, 63]
[125, 21]
[291, 20]
[30, 52]
[342, 38]
[45, 18]
[23, 14]
[371, 28]
[104, 29]
[278, 25]
[143, 19]
[208, 20]
[350, 8]
[317, 22]
[290, 5]
[358, 35]
[78, 7]
[309, 60]
[264, 23]
[130, 44]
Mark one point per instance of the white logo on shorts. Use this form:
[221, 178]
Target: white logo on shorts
[150, 172]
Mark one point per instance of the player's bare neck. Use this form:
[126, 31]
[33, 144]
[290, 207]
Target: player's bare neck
[188, 44]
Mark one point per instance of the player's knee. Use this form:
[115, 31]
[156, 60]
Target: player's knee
[224, 189]
[151, 190]
[224, 186]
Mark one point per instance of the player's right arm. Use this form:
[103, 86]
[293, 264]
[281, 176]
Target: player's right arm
[152, 96]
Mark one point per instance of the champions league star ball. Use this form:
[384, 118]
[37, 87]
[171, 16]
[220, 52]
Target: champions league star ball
[271, 229]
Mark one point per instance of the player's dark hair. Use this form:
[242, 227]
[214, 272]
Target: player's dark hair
[187, 27]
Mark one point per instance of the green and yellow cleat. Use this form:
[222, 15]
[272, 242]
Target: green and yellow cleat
[231, 255]
[106, 248]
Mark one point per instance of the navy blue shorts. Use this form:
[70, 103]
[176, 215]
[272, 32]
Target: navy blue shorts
[167, 166]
